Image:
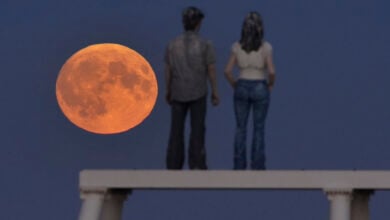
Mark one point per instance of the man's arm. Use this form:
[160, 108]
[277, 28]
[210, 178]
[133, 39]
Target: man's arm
[213, 81]
[168, 77]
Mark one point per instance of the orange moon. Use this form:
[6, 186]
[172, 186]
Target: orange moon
[106, 88]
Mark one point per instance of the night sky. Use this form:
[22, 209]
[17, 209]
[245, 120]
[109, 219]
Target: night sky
[329, 108]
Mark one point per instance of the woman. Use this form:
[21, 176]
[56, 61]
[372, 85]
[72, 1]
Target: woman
[253, 55]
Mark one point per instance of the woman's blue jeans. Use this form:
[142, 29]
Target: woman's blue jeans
[255, 95]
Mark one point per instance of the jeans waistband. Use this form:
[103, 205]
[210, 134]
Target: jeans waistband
[252, 80]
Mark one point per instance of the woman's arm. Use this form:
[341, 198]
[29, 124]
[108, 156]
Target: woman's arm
[271, 71]
[229, 70]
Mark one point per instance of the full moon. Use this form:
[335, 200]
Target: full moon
[106, 88]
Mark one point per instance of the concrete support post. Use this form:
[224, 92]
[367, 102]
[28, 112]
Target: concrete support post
[340, 203]
[92, 204]
[113, 204]
[360, 209]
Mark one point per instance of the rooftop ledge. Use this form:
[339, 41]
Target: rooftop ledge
[229, 179]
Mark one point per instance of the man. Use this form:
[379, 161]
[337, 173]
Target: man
[189, 62]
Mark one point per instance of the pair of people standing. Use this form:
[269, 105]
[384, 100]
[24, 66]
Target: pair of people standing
[190, 62]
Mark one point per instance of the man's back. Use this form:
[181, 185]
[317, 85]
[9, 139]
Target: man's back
[188, 56]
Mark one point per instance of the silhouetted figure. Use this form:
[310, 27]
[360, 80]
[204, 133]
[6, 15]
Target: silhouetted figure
[253, 55]
[189, 62]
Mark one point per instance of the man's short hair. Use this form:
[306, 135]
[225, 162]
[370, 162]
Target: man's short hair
[192, 16]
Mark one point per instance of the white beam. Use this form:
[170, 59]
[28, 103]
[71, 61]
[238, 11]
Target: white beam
[340, 203]
[113, 204]
[92, 204]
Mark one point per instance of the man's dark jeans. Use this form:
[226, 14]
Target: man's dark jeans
[197, 152]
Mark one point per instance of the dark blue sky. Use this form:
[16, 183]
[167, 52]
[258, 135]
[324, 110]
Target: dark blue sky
[329, 108]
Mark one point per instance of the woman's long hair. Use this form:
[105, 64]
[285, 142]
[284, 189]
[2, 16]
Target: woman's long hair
[252, 32]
